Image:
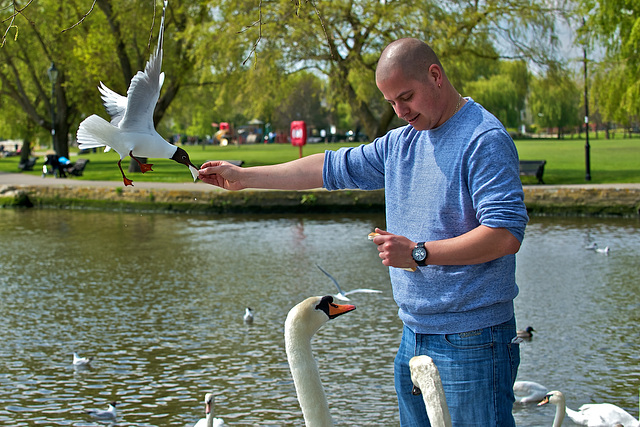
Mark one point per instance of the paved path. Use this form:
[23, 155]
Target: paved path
[18, 179]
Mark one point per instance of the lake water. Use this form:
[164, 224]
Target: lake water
[158, 301]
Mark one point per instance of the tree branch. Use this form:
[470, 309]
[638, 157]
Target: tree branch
[12, 18]
[83, 17]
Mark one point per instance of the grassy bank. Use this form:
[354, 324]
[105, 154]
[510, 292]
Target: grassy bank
[612, 161]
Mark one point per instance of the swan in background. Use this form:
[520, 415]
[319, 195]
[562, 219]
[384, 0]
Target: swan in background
[81, 361]
[529, 391]
[210, 420]
[248, 315]
[591, 247]
[303, 321]
[526, 334]
[591, 414]
[109, 414]
[343, 295]
[426, 380]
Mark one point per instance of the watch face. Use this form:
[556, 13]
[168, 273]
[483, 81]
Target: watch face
[419, 254]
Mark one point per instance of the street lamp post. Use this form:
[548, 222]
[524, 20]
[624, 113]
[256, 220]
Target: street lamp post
[587, 156]
[587, 159]
[53, 78]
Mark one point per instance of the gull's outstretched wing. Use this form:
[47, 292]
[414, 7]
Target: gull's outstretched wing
[114, 103]
[332, 279]
[144, 90]
[365, 291]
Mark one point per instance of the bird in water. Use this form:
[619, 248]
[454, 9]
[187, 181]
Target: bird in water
[248, 315]
[590, 414]
[209, 420]
[526, 334]
[529, 391]
[131, 131]
[81, 361]
[109, 414]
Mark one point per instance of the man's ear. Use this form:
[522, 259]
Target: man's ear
[435, 74]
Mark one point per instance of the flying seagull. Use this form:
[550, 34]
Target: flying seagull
[343, 295]
[131, 131]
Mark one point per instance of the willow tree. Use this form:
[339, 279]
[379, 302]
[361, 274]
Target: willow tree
[614, 25]
[554, 100]
[342, 40]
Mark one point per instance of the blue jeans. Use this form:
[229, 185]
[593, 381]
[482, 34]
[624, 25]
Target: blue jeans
[477, 369]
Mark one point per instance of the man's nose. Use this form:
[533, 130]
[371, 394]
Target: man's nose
[401, 109]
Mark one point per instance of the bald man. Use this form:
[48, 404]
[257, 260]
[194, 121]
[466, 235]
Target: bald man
[454, 211]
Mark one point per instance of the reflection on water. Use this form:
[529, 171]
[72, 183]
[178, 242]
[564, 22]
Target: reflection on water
[158, 301]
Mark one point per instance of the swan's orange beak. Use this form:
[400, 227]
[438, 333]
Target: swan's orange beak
[544, 401]
[336, 310]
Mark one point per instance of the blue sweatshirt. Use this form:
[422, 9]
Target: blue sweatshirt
[439, 184]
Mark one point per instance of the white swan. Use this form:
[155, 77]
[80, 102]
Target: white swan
[592, 414]
[343, 295]
[210, 420]
[603, 251]
[529, 391]
[303, 321]
[109, 414]
[81, 361]
[426, 380]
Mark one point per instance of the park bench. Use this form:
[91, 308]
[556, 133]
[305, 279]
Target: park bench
[78, 167]
[533, 168]
[28, 165]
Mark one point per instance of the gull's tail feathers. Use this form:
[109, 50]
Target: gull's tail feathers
[94, 131]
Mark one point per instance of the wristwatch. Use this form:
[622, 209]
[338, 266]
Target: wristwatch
[420, 254]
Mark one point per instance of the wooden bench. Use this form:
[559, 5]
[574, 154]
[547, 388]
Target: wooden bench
[78, 167]
[533, 168]
[28, 166]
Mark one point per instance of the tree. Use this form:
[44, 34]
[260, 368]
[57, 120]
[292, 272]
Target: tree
[343, 39]
[110, 44]
[615, 24]
[503, 93]
[554, 100]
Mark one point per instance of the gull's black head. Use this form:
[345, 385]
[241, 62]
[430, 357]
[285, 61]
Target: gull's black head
[181, 156]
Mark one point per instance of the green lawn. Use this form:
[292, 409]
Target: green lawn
[612, 161]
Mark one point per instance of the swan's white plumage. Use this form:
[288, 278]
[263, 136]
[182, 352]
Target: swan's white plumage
[529, 391]
[591, 414]
[303, 321]
[209, 420]
[425, 376]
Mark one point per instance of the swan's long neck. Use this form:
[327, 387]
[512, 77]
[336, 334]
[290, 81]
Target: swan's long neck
[306, 377]
[425, 373]
[560, 411]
